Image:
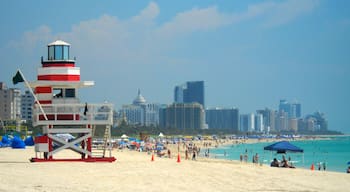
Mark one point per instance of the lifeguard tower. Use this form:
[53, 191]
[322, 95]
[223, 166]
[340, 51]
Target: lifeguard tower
[59, 111]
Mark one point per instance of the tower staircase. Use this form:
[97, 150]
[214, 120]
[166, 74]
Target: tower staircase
[100, 149]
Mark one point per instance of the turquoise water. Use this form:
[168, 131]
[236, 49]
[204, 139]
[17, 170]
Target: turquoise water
[335, 152]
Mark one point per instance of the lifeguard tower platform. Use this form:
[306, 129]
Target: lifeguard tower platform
[59, 111]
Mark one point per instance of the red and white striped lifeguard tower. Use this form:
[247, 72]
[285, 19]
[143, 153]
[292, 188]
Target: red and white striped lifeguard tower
[59, 112]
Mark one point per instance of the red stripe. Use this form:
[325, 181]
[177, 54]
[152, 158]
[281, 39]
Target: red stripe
[43, 90]
[44, 102]
[49, 117]
[58, 64]
[59, 117]
[41, 139]
[59, 77]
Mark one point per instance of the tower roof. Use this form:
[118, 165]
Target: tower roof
[58, 42]
[139, 100]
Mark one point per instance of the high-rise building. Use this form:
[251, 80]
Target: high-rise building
[179, 94]
[293, 124]
[282, 121]
[183, 116]
[258, 123]
[268, 118]
[247, 122]
[293, 109]
[10, 103]
[152, 114]
[218, 118]
[133, 114]
[191, 92]
[284, 106]
[297, 107]
[27, 102]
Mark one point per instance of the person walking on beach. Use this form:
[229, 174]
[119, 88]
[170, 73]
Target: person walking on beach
[169, 153]
[256, 158]
[324, 166]
[245, 157]
[194, 155]
[186, 154]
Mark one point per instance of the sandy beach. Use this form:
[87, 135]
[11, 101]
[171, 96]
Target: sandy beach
[134, 171]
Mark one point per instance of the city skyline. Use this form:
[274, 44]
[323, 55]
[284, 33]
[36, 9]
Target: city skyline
[249, 54]
[184, 113]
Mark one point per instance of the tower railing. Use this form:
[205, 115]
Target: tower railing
[73, 114]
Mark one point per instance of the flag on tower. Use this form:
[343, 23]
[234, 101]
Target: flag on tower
[17, 78]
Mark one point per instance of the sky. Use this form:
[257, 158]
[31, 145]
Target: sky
[250, 54]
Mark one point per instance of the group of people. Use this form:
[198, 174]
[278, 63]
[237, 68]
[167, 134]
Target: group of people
[283, 163]
[322, 165]
[245, 157]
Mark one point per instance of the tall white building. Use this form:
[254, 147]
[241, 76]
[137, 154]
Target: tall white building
[259, 123]
[247, 122]
[10, 103]
[152, 114]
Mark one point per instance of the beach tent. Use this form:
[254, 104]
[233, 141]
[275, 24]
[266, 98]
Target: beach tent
[65, 136]
[124, 136]
[283, 147]
[29, 141]
[17, 143]
[160, 135]
[6, 141]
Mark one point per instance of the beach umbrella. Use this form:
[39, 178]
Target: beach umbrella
[124, 136]
[283, 147]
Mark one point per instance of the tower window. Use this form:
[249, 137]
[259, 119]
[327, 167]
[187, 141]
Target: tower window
[70, 93]
[57, 93]
[51, 53]
[65, 52]
[58, 52]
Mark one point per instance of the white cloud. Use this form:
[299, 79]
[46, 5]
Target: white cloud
[194, 20]
[140, 40]
[147, 14]
[280, 13]
[30, 39]
[109, 48]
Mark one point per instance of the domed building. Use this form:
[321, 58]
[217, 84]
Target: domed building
[140, 112]
[139, 100]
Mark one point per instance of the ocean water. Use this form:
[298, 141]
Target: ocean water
[333, 151]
